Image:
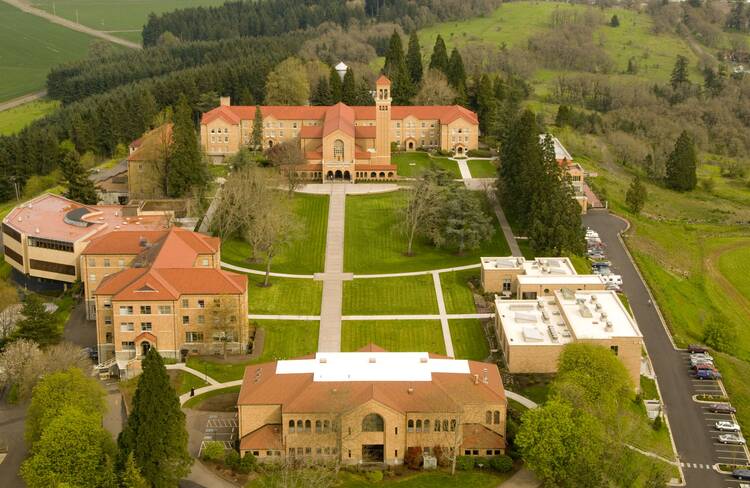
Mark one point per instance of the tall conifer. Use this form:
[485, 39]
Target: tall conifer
[681, 164]
[334, 80]
[349, 88]
[414, 59]
[439, 58]
[186, 167]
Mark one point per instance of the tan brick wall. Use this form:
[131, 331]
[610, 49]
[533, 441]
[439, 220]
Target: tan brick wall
[252, 417]
[492, 279]
[144, 180]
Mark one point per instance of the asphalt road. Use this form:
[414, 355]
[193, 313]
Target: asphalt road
[695, 445]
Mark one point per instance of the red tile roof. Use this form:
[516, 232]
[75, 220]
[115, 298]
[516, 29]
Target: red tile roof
[364, 132]
[311, 132]
[266, 437]
[382, 80]
[339, 117]
[480, 437]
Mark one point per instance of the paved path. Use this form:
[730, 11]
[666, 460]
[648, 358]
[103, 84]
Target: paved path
[526, 402]
[417, 273]
[463, 167]
[70, 24]
[329, 338]
[426, 316]
[348, 276]
[184, 367]
[522, 479]
[443, 317]
[351, 189]
[214, 385]
[504, 225]
[241, 269]
[22, 100]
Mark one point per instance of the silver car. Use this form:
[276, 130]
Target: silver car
[732, 439]
[727, 426]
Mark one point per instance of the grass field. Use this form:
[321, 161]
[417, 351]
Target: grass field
[375, 244]
[393, 335]
[15, 119]
[285, 296]
[119, 16]
[482, 168]
[304, 255]
[456, 292]
[381, 296]
[438, 479]
[29, 47]
[468, 339]
[411, 164]
[198, 399]
[283, 339]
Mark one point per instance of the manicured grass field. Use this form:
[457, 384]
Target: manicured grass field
[427, 479]
[118, 15]
[15, 119]
[411, 164]
[393, 335]
[285, 296]
[456, 292]
[380, 296]
[29, 47]
[374, 242]
[198, 399]
[304, 255]
[283, 339]
[468, 339]
[482, 168]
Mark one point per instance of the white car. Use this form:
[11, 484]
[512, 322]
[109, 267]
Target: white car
[612, 278]
[732, 439]
[701, 358]
[727, 426]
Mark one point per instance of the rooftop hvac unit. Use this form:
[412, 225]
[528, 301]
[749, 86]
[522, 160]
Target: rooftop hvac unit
[585, 311]
[609, 326]
[545, 316]
[604, 315]
[593, 298]
[598, 306]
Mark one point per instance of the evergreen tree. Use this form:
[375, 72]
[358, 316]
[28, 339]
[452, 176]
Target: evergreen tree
[414, 59]
[130, 477]
[402, 88]
[679, 72]
[632, 66]
[349, 88]
[486, 105]
[80, 188]
[334, 80]
[257, 129]
[185, 168]
[456, 72]
[439, 58]
[636, 195]
[394, 57]
[520, 146]
[713, 81]
[322, 94]
[246, 97]
[38, 324]
[614, 21]
[364, 95]
[681, 164]
[155, 432]
[564, 115]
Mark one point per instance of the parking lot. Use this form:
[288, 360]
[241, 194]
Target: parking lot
[221, 428]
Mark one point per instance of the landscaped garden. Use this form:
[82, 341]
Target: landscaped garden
[393, 335]
[412, 163]
[304, 255]
[285, 296]
[374, 242]
[405, 295]
[469, 342]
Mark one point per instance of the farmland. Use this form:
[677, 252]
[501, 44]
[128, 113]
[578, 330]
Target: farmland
[15, 119]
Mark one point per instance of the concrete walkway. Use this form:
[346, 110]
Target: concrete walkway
[426, 316]
[463, 167]
[329, 338]
[522, 479]
[443, 317]
[347, 276]
[417, 273]
[351, 189]
[241, 269]
[526, 402]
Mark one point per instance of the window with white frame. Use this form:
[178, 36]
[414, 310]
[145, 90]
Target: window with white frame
[126, 310]
[127, 327]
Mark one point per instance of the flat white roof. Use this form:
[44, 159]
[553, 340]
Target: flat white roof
[551, 279]
[531, 267]
[560, 151]
[504, 262]
[565, 317]
[372, 366]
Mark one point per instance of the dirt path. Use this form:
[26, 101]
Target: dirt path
[22, 100]
[710, 263]
[70, 24]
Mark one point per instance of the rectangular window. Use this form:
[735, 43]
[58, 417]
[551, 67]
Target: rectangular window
[185, 320]
[126, 327]
[165, 309]
[145, 309]
[107, 320]
[108, 338]
[126, 310]
[506, 284]
[128, 346]
[193, 336]
[92, 262]
[614, 349]
[121, 263]
[92, 277]
[201, 304]
[185, 303]
[106, 262]
[146, 326]
[201, 319]
[205, 262]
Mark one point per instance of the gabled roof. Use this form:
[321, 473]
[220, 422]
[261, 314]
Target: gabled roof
[152, 284]
[152, 144]
[382, 80]
[339, 117]
[179, 240]
[266, 437]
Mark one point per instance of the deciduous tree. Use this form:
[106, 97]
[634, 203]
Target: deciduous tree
[435, 90]
[421, 209]
[287, 84]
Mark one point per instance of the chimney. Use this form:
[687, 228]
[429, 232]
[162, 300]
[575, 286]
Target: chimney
[476, 379]
[485, 378]
[224, 101]
[410, 390]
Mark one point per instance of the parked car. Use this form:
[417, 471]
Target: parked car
[601, 264]
[727, 426]
[707, 374]
[612, 286]
[722, 408]
[694, 361]
[732, 439]
[741, 474]
[697, 349]
[702, 355]
[704, 367]
[612, 278]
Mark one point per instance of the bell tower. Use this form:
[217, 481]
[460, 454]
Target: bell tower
[382, 120]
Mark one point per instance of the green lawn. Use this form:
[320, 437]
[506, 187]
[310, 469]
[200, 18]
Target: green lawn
[468, 339]
[411, 164]
[183, 381]
[285, 296]
[15, 119]
[29, 47]
[283, 339]
[374, 242]
[457, 295]
[482, 168]
[437, 479]
[305, 254]
[393, 335]
[380, 296]
[735, 266]
[196, 400]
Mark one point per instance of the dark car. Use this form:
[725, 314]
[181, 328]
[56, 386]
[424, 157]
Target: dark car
[707, 374]
[722, 408]
[708, 366]
[741, 474]
[697, 349]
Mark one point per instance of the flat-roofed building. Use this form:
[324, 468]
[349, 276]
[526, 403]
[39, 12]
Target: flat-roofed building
[370, 406]
[43, 238]
[512, 276]
[533, 333]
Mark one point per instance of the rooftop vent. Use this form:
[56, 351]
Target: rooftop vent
[323, 360]
[476, 379]
[36, 230]
[609, 326]
[422, 360]
[372, 360]
[485, 378]
[410, 390]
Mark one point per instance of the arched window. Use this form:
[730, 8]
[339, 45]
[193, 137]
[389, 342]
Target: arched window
[373, 174]
[308, 426]
[437, 426]
[453, 425]
[427, 425]
[419, 426]
[338, 149]
[382, 174]
[497, 416]
[326, 426]
[390, 174]
[488, 417]
[373, 423]
[410, 426]
[445, 426]
[300, 426]
[318, 427]
[291, 426]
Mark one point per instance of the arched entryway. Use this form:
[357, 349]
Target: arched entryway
[145, 347]
[329, 175]
[338, 174]
[460, 150]
[410, 145]
[347, 176]
[270, 143]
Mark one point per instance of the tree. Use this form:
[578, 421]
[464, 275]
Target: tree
[73, 449]
[719, 334]
[485, 104]
[56, 391]
[334, 81]
[224, 325]
[680, 74]
[130, 477]
[414, 59]
[435, 90]
[420, 210]
[322, 95]
[288, 157]
[681, 165]
[636, 196]
[402, 88]
[561, 446]
[287, 84]
[349, 88]
[80, 188]
[614, 21]
[439, 58]
[37, 324]
[257, 129]
[155, 430]
[462, 223]
[185, 166]
[456, 72]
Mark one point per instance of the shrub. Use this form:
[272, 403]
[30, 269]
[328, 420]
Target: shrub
[464, 463]
[501, 464]
[232, 460]
[374, 476]
[213, 451]
[479, 153]
[413, 457]
[247, 463]
[443, 152]
[657, 423]
[442, 456]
